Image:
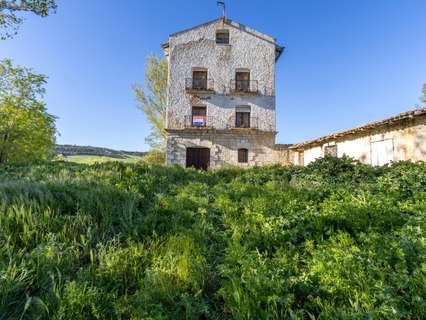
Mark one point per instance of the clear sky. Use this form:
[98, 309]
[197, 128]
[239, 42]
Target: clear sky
[347, 62]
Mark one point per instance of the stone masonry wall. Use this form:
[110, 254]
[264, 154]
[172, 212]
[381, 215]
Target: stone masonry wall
[197, 48]
[223, 148]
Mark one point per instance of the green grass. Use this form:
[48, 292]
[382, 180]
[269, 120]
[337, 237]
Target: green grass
[334, 240]
[82, 159]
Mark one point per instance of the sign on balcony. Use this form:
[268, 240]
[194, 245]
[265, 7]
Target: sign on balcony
[199, 121]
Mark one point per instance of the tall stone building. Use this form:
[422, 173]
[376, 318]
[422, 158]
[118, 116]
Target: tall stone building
[221, 96]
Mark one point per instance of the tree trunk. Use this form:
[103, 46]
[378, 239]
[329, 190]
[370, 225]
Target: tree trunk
[2, 149]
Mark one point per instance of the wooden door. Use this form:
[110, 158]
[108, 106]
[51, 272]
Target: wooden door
[382, 152]
[198, 158]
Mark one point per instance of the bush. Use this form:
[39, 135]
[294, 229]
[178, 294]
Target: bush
[334, 240]
[156, 158]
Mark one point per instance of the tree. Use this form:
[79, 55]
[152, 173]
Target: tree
[156, 158]
[423, 97]
[9, 9]
[153, 100]
[27, 131]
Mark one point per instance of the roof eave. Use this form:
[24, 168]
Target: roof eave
[279, 50]
[367, 127]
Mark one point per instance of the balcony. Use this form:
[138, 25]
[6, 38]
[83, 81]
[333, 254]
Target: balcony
[199, 86]
[243, 123]
[200, 122]
[206, 123]
[244, 87]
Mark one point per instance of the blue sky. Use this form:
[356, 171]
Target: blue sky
[346, 62]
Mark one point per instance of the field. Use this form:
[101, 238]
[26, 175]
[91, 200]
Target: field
[93, 155]
[334, 240]
[91, 159]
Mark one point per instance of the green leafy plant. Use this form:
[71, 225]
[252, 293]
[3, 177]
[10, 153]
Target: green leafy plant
[334, 240]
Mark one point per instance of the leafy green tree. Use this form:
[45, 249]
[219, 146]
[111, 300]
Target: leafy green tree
[9, 9]
[153, 100]
[27, 131]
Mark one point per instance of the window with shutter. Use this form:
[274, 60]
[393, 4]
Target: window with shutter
[242, 81]
[242, 119]
[199, 80]
[222, 37]
[242, 155]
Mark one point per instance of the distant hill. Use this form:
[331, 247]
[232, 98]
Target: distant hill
[73, 150]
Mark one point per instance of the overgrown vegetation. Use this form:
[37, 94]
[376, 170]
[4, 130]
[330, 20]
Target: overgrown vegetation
[334, 240]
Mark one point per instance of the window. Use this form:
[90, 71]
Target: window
[330, 151]
[222, 37]
[199, 116]
[242, 81]
[242, 155]
[381, 152]
[242, 117]
[199, 80]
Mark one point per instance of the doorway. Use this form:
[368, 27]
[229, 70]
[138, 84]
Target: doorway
[198, 158]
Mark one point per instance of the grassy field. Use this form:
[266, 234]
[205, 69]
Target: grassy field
[83, 159]
[334, 240]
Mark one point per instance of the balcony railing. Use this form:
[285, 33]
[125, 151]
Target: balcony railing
[218, 123]
[199, 85]
[194, 121]
[247, 123]
[244, 86]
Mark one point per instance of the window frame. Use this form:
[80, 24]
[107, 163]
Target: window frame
[243, 154]
[242, 119]
[327, 153]
[243, 80]
[225, 39]
[200, 83]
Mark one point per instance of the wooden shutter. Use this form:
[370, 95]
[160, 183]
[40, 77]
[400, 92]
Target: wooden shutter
[242, 155]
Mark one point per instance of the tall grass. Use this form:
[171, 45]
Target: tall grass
[334, 240]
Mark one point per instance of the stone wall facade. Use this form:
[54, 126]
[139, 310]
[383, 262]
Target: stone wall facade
[224, 147]
[248, 50]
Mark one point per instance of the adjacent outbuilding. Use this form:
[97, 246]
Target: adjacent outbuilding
[402, 137]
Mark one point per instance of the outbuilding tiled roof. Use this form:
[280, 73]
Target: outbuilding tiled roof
[361, 129]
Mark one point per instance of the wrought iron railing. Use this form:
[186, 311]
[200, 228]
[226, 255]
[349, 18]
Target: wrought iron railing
[247, 123]
[199, 84]
[244, 86]
[210, 122]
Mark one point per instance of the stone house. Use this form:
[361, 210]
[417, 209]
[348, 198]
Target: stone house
[221, 96]
[221, 107]
[402, 137]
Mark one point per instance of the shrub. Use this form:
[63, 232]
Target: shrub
[334, 240]
[157, 158]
